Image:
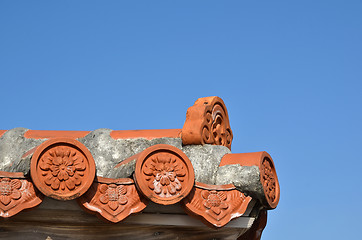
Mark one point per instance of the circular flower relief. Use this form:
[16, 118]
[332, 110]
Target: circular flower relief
[164, 174]
[62, 168]
[269, 181]
[167, 173]
[9, 190]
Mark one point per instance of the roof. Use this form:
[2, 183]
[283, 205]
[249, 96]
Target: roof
[115, 173]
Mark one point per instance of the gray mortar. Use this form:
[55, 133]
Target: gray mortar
[13, 145]
[108, 152]
[122, 171]
[245, 178]
[205, 159]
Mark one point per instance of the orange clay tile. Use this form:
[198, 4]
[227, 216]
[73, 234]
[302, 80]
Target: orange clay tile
[39, 134]
[216, 205]
[2, 132]
[164, 174]
[254, 233]
[116, 134]
[148, 134]
[16, 194]
[62, 168]
[207, 122]
[112, 199]
[268, 176]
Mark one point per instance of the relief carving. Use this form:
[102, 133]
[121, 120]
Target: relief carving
[164, 174]
[62, 168]
[269, 182]
[217, 205]
[17, 195]
[113, 199]
[9, 190]
[112, 195]
[207, 122]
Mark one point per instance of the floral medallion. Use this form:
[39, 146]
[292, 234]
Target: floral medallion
[164, 174]
[113, 199]
[17, 194]
[218, 205]
[269, 182]
[62, 168]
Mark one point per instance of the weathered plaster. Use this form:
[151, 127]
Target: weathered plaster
[108, 152]
[245, 178]
[205, 160]
[13, 145]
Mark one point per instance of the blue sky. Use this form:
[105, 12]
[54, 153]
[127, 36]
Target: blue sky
[288, 71]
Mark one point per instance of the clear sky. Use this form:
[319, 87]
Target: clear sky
[288, 71]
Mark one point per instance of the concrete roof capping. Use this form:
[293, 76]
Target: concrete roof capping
[118, 173]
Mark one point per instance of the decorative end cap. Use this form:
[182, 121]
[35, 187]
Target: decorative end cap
[164, 174]
[62, 168]
[207, 122]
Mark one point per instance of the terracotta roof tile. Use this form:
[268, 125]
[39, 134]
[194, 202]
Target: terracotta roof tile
[115, 173]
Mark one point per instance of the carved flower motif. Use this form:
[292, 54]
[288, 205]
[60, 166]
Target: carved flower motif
[113, 195]
[63, 167]
[9, 190]
[167, 173]
[269, 183]
[214, 201]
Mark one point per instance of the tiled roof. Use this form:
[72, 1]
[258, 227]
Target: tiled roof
[116, 173]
